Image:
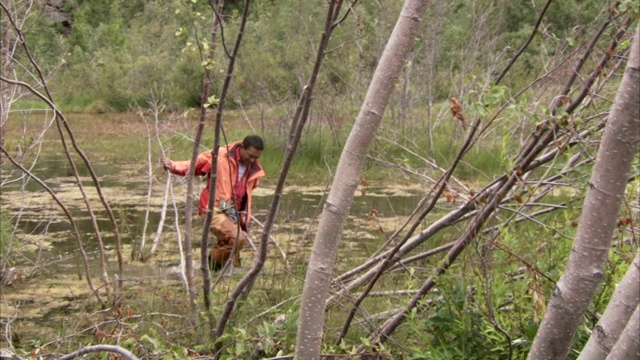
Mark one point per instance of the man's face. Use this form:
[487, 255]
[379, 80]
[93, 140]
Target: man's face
[249, 155]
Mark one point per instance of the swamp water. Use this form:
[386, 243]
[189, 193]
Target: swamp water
[56, 289]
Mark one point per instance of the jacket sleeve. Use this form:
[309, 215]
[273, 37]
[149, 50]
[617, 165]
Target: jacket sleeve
[203, 165]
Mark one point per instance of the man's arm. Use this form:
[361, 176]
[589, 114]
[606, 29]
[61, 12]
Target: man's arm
[176, 167]
[182, 167]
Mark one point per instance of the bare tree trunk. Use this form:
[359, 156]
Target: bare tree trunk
[573, 292]
[322, 261]
[622, 304]
[165, 198]
[5, 60]
[204, 104]
[183, 265]
[628, 346]
[216, 7]
[295, 133]
[143, 236]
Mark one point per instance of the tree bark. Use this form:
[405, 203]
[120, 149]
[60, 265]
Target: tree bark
[573, 292]
[345, 183]
[216, 7]
[628, 346]
[5, 61]
[624, 301]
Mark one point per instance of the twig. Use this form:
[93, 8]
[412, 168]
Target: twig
[524, 46]
[271, 309]
[149, 190]
[273, 241]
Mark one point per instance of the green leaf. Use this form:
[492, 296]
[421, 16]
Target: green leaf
[128, 342]
[480, 109]
[212, 101]
[223, 339]
[178, 351]
[153, 341]
[266, 345]
[365, 341]
[240, 348]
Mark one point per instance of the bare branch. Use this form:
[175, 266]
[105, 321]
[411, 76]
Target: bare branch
[100, 348]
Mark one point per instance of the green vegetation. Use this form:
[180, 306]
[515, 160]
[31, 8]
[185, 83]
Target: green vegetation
[120, 53]
[119, 56]
[5, 234]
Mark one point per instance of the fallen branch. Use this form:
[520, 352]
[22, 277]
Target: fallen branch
[99, 348]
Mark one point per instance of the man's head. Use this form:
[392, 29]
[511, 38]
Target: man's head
[251, 149]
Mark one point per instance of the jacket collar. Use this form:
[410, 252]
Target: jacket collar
[233, 154]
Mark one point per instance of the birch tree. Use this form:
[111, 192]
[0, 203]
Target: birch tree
[336, 208]
[5, 59]
[628, 346]
[622, 304]
[585, 269]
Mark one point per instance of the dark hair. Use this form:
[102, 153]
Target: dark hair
[253, 141]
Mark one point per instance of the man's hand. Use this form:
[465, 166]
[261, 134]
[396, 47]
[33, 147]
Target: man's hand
[166, 163]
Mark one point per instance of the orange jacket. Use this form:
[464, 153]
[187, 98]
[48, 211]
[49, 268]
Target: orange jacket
[227, 175]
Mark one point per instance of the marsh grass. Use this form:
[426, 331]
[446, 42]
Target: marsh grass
[122, 137]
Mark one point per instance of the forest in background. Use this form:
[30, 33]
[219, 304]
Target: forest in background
[126, 55]
[121, 52]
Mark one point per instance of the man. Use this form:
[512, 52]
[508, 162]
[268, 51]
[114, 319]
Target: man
[239, 172]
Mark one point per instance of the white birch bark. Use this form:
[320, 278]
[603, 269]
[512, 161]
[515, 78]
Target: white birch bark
[345, 183]
[165, 198]
[628, 346]
[163, 215]
[624, 301]
[145, 224]
[573, 292]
